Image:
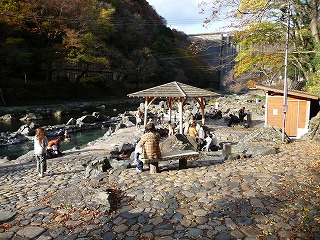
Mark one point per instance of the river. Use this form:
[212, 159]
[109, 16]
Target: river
[78, 139]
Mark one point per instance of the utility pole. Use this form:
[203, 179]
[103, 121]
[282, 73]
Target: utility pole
[286, 11]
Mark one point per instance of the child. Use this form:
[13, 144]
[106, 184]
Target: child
[137, 153]
[211, 142]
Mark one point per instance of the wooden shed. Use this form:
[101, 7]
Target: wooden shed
[302, 107]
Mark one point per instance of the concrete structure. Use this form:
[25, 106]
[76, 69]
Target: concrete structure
[218, 51]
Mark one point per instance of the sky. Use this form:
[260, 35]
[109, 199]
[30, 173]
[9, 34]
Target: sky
[182, 15]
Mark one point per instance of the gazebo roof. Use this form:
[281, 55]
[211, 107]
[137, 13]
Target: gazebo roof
[173, 89]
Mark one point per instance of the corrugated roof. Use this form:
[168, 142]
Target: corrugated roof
[173, 89]
[290, 92]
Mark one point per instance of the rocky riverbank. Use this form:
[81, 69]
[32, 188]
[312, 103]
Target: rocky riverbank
[30, 118]
[273, 195]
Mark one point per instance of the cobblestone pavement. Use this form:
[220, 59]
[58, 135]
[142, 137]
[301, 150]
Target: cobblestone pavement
[269, 197]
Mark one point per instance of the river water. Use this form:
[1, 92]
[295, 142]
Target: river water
[78, 139]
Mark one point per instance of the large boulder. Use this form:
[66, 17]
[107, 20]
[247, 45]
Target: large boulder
[260, 142]
[31, 117]
[26, 130]
[314, 129]
[176, 142]
[95, 168]
[265, 134]
[7, 118]
[71, 121]
[100, 117]
[120, 164]
[86, 119]
[103, 201]
[261, 151]
[127, 121]
[34, 125]
[84, 197]
[12, 138]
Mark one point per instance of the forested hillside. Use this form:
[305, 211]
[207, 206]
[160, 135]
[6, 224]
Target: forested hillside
[89, 49]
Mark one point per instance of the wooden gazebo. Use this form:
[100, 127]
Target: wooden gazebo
[174, 91]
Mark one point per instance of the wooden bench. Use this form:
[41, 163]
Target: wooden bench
[182, 155]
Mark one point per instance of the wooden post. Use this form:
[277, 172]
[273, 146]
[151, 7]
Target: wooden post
[154, 167]
[202, 110]
[145, 112]
[226, 150]
[249, 118]
[183, 163]
[181, 114]
[169, 100]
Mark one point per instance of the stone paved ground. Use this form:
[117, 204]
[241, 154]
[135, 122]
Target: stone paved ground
[269, 197]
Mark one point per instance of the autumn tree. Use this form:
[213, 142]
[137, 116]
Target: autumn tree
[260, 31]
[102, 45]
[64, 30]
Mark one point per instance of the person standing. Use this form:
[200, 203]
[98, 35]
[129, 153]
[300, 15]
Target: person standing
[170, 128]
[67, 137]
[40, 151]
[138, 115]
[149, 141]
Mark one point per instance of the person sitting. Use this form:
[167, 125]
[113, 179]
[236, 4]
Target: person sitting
[53, 148]
[150, 142]
[192, 131]
[195, 135]
[233, 119]
[211, 142]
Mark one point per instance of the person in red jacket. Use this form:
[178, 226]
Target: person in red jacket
[54, 147]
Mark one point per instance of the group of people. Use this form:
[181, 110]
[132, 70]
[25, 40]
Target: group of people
[43, 148]
[206, 140]
[160, 121]
[148, 146]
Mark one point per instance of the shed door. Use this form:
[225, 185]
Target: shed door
[292, 118]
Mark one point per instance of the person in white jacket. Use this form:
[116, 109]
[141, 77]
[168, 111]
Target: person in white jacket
[211, 142]
[40, 151]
